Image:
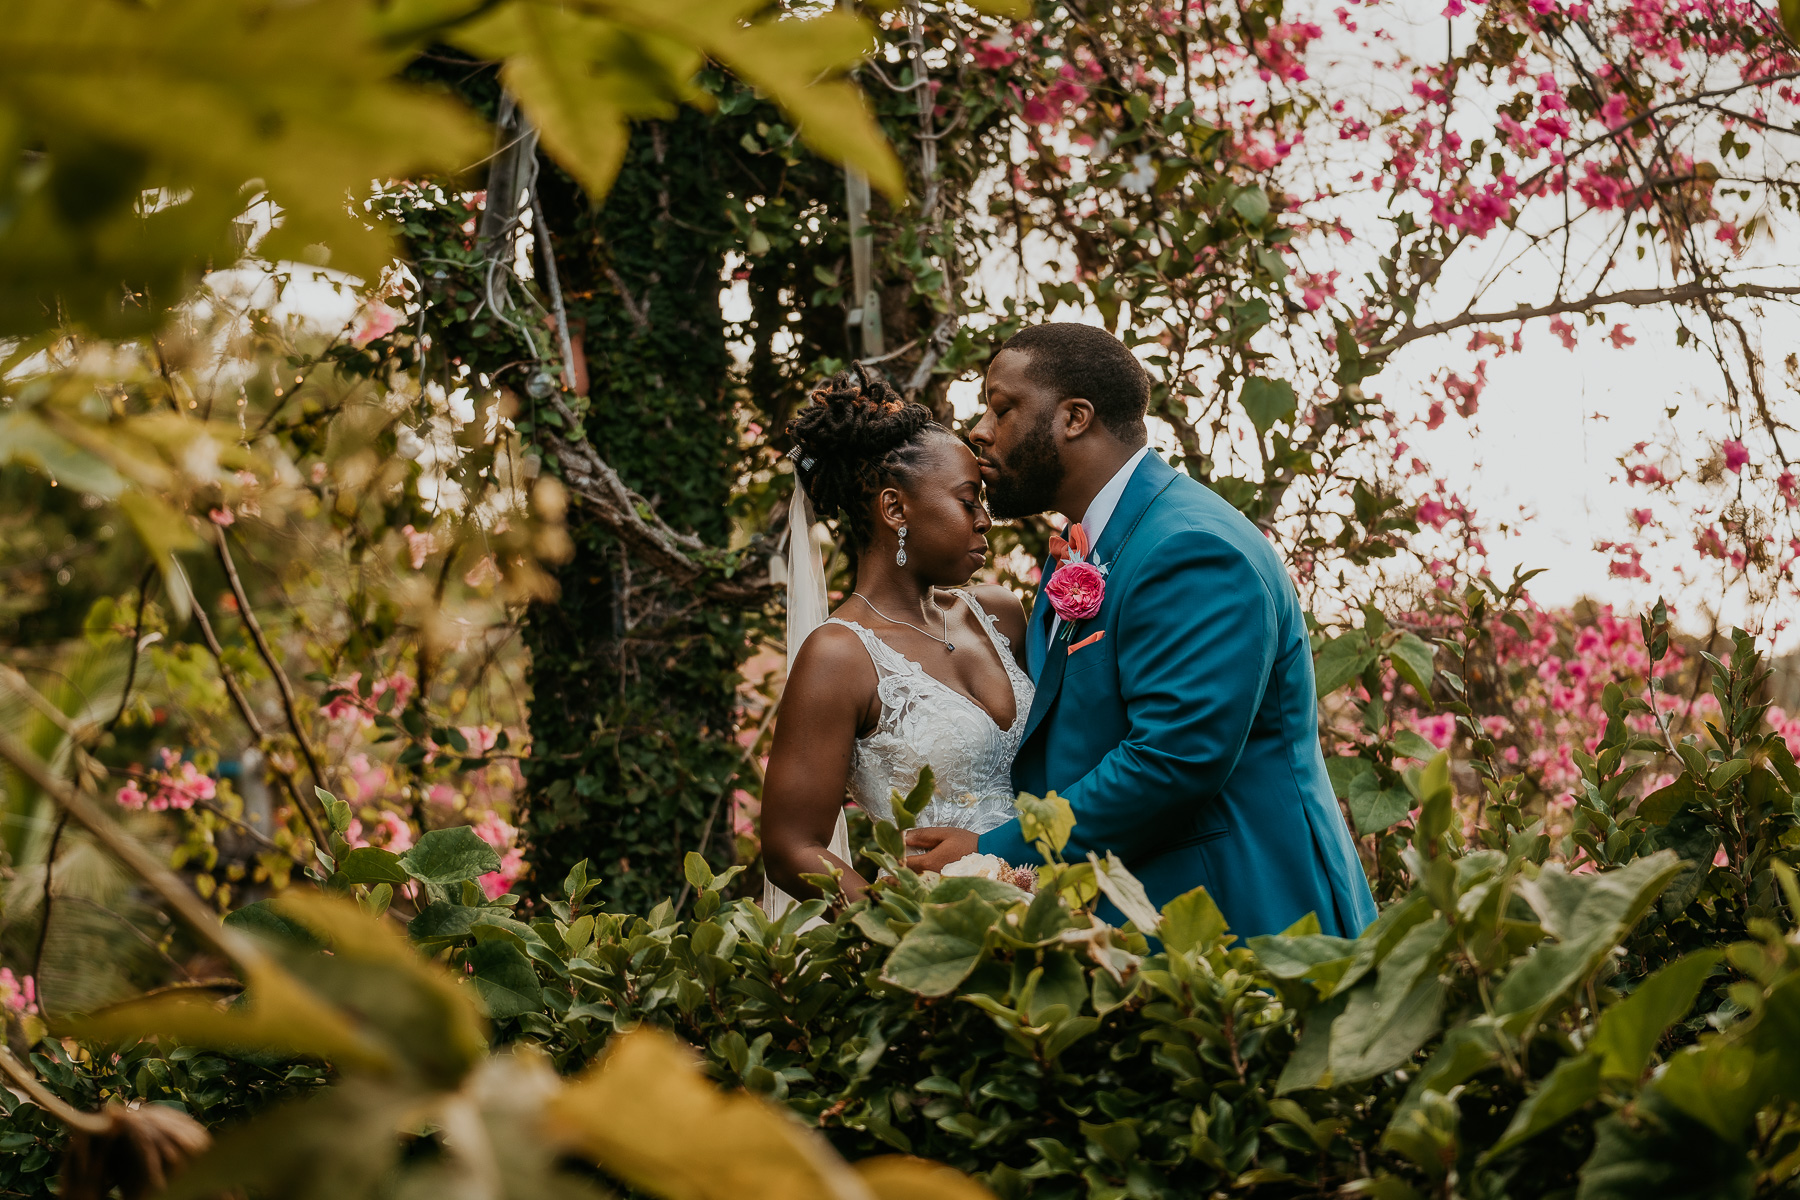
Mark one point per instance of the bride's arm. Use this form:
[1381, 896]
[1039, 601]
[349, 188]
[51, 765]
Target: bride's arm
[830, 697]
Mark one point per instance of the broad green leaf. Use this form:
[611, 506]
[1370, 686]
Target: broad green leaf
[582, 78]
[1386, 1022]
[1436, 798]
[1267, 401]
[797, 64]
[350, 1126]
[1409, 744]
[371, 1004]
[1191, 921]
[265, 920]
[204, 97]
[504, 978]
[1571, 1087]
[1345, 770]
[1127, 894]
[1046, 823]
[1587, 915]
[1375, 808]
[1629, 1031]
[1341, 660]
[939, 952]
[1413, 658]
[698, 873]
[371, 864]
[1656, 1151]
[450, 856]
[1252, 204]
[646, 1115]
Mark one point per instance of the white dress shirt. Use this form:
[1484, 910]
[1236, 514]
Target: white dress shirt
[1100, 511]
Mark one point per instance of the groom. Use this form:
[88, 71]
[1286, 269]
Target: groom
[1179, 721]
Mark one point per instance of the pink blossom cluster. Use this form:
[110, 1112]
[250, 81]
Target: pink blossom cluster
[18, 994]
[176, 785]
[494, 830]
[351, 703]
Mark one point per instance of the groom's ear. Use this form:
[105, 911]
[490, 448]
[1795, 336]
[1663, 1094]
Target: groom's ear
[1077, 416]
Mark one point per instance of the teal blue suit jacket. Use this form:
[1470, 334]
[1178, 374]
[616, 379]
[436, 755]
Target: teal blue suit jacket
[1186, 738]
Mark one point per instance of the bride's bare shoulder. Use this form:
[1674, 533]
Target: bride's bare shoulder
[1003, 605]
[832, 654]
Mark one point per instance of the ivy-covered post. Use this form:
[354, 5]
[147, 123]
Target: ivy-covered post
[633, 676]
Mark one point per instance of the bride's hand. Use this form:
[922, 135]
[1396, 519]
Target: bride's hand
[936, 849]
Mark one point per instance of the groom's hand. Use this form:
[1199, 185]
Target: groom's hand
[935, 849]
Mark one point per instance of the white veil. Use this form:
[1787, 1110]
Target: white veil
[806, 611]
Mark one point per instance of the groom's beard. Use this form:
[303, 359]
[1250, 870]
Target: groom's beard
[1027, 480]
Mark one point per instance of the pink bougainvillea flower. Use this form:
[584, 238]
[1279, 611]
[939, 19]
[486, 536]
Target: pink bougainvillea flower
[1735, 455]
[376, 320]
[131, 796]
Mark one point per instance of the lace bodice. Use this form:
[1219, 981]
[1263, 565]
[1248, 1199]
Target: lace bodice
[925, 720]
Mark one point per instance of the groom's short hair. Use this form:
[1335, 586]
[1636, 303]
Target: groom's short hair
[1082, 360]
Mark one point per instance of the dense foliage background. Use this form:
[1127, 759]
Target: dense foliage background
[425, 549]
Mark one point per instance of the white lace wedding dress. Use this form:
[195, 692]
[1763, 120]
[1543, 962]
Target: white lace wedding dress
[924, 721]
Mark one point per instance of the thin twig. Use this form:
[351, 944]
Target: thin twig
[248, 616]
[242, 703]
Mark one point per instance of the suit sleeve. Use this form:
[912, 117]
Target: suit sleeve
[1195, 647]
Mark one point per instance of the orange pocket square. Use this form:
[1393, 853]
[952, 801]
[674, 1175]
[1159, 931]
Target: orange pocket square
[1087, 641]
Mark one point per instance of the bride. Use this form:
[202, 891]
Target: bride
[912, 669]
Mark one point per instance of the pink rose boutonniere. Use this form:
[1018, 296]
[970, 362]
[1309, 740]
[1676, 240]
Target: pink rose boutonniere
[1078, 586]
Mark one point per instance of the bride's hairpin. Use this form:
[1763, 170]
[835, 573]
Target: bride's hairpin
[806, 464]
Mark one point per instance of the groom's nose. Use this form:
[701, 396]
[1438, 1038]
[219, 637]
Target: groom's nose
[983, 433]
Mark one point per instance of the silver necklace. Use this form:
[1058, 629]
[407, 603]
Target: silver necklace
[949, 646]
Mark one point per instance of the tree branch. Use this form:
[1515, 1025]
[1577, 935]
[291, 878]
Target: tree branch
[1632, 298]
[679, 556]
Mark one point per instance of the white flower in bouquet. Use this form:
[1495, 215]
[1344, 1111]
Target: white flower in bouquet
[983, 866]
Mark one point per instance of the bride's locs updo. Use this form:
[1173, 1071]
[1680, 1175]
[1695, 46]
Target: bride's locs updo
[860, 437]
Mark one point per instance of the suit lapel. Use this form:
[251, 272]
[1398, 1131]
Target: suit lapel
[1152, 476]
[1037, 634]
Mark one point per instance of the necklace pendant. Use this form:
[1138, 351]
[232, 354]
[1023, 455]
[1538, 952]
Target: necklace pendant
[950, 647]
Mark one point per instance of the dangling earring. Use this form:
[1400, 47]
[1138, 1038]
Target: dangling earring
[900, 554]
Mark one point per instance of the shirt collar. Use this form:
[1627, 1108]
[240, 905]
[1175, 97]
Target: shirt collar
[1100, 509]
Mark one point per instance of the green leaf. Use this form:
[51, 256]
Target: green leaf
[1191, 921]
[1629, 1031]
[939, 952]
[1386, 1022]
[1413, 659]
[1437, 806]
[908, 807]
[266, 920]
[1345, 770]
[504, 978]
[1046, 823]
[1571, 1087]
[1409, 744]
[452, 855]
[1588, 915]
[1267, 401]
[1127, 894]
[371, 864]
[1341, 660]
[1659, 1152]
[1375, 808]
[1660, 806]
[698, 873]
[1252, 204]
